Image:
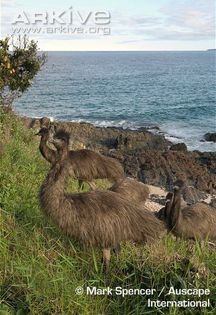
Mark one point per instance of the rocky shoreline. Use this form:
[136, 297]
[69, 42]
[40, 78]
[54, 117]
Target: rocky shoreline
[146, 156]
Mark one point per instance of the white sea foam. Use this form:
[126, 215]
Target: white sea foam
[174, 132]
[109, 123]
[191, 136]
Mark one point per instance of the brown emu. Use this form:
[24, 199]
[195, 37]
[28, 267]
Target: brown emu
[87, 165]
[131, 190]
[162, 213]
[195, 222]
[96, 218]
[49, 154]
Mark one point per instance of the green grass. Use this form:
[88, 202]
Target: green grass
[40, 268]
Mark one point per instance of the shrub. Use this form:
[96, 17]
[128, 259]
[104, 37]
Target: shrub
[17, 68]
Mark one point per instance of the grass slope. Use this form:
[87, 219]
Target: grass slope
[40, 268]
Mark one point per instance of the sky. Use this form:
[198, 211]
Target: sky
[117, 25]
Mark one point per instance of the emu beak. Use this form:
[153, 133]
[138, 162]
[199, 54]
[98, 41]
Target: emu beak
[41, 131]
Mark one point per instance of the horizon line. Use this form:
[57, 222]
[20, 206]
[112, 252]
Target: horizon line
[169, 50]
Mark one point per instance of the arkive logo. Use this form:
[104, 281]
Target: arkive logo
[67, 17]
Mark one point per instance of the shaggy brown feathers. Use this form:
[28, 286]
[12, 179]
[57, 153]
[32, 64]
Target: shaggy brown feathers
[96, 218]
[88, 165]
[49, 154]
[131, 190]
[162, 213]
[84, 165]
[197, 221]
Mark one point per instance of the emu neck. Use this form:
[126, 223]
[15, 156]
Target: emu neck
[46, 152]
[62, 153]
[52, 190]
[175, 213]
[43, 145]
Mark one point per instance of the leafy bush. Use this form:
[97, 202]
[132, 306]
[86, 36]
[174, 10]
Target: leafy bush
[17, 68]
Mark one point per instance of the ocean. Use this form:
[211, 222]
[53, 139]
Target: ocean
[174, 91]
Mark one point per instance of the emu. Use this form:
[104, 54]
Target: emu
[131, 190]
[195, 222]
[97, 218]
[162, 213]
[49, 154]
[84, 165]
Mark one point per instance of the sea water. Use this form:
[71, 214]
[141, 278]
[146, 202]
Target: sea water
[172, 90]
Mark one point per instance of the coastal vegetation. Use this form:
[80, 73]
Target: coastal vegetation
[19, 64]
[41, 269]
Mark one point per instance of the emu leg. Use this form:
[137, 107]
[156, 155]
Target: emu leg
[117, 249]
[203, 244]
[92, 185]
[106, 259]
[80, 184]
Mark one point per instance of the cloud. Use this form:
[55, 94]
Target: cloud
[177, 20]
[144, 21]
[192, 16]
[172, 25]
[173, 34]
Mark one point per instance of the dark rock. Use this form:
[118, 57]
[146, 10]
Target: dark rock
[154, 128]
[122, 142]
[142, 129]
[131, 166]
[213, 203]
[108, 138]
[192, 195]
[163, 168]
[146, 156]
[158, 199]
[208, 161]
[30, 122]
[179, 147]
[162, 200]
[210, 136]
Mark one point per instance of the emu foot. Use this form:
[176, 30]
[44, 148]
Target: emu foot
[105, 268]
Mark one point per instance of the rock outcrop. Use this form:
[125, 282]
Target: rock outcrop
[210, 136]
[162, 168]
[146, 156]
[178, 147]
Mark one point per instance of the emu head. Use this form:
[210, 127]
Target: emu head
[179, 183]
[45, 122]
[61, 139]
[43, 132]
